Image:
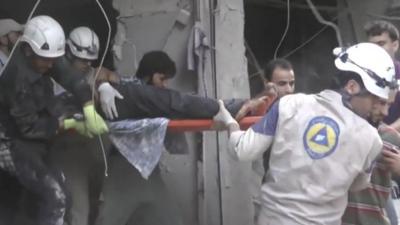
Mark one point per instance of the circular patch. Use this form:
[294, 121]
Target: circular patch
[321, 137]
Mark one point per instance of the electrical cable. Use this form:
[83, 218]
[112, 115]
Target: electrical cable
[323, 21]
[286, 29]
[96, 76]
[306, 42]
[33, 10]
[291, 52]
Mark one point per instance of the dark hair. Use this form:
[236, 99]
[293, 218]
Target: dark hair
[378, 27]
[273, 64]
[342, 77]
[156, 62]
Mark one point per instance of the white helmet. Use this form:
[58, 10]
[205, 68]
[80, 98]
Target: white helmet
[45, 36]
[84, 43]
[372, 63]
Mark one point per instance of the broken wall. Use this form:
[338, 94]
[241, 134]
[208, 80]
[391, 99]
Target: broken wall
[145, 25]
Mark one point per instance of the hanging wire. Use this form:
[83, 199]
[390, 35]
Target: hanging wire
[384, 17]
[328, 23]
[286, 29]
[254, 59]
[96, 76]
[306, 42]
[33, 10]
[313, 36]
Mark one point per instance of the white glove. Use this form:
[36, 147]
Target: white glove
[223, 116]
[107, 100]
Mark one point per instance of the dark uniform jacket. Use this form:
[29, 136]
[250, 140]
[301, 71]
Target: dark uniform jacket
[146, 101]
[28, 108]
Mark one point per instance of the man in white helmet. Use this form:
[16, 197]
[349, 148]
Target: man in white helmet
[322, 145]
[80, 158]
[374, 205]
[32, 116]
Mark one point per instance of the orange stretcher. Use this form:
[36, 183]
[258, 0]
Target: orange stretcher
[207, 124]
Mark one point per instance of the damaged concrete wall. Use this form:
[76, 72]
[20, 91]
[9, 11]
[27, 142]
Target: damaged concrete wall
[232, 82]
[146, 25]
[154, 25]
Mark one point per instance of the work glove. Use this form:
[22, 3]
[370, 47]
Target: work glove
[223, 116]
[93, 121]
[107, 100]
[78, 126]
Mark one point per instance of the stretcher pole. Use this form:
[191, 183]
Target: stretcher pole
[193, 125]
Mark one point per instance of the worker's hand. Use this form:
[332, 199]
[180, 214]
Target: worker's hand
[250, 106]
[392, 160]
[270, 90]
[106, 75]
[223, 116]
[78, 126]
[93, 121]
[107, 100]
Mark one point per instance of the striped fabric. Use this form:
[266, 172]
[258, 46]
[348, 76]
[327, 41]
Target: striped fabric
[6, 162]
[367, 207]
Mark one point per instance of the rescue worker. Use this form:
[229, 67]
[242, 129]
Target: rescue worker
[322, 145]
[10, 31]
[31, 115]
[78, 157]
[140, 201]
[149, 101]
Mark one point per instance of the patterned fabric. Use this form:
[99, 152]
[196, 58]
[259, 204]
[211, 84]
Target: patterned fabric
[6, 162]
[367, 207]
[141, 142]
